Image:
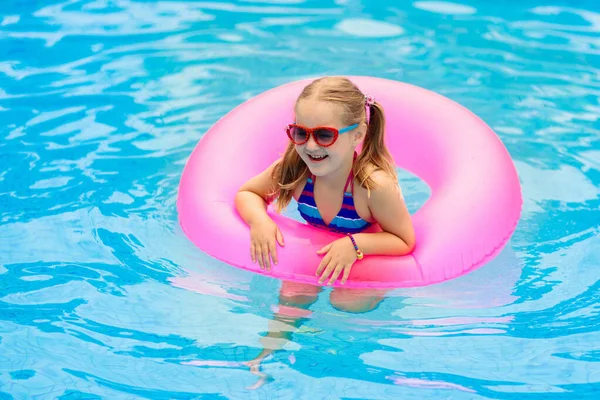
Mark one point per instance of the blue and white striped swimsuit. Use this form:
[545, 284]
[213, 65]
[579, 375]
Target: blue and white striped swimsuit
[347, 219]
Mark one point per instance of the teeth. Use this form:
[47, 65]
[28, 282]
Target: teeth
[317, 157]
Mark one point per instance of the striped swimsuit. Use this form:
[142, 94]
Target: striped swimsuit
[347, 219]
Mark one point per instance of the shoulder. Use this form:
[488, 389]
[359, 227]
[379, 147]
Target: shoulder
[383, 180]
[385, 187]
[269, 174]
[263, 184]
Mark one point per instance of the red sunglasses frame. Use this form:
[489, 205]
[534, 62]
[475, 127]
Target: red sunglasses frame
[311, 132]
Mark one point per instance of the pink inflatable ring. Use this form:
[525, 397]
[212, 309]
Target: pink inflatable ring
[474, 207]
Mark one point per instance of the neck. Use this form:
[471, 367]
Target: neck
[338, 177]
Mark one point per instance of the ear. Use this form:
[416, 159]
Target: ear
[360, 133]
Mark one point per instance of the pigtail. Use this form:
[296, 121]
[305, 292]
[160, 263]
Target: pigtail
[375, 154]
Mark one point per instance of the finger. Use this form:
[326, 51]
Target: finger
[253, 253]
[323, 264]
[327, 272]
[330, 268]
[279, 237]
[259, 257]
[266, 258]
[325, 249]
[273, 251]
[345, 275]
[336, 272]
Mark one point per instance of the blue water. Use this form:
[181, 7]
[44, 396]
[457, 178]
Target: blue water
[103, 296]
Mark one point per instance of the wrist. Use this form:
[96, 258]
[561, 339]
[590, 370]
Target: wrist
[359, 253]
[259, 219]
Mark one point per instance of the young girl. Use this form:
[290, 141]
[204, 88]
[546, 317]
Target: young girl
[356, 194]
[336, 188]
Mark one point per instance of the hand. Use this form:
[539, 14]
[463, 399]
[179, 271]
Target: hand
[264, 235]
[340, 256]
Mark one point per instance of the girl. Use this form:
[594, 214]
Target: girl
[336, 188]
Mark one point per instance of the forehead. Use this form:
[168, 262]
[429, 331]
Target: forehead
[311, 113]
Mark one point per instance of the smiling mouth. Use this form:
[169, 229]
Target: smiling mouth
[317, 158]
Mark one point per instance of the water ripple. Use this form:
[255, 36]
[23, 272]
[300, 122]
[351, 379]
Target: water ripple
[101, 103]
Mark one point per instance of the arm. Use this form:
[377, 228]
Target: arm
[251, 203]
[396, 238]
[389, 210]
[252, 198]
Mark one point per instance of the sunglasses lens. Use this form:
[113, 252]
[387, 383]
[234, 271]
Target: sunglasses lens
[324, 136]
[298, 134]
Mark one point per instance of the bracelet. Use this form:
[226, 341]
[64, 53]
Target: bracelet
[359, 254]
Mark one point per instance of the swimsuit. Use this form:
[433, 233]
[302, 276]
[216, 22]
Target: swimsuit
[347, 219]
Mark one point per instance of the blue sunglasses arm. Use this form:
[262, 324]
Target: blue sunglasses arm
[348, 128]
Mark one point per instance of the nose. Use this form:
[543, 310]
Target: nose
[311, 145]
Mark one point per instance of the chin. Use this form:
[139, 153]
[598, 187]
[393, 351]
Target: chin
[317, 169]
[320, 169]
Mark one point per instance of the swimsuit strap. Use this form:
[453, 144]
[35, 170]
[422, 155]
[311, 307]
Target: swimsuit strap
[351, 177]
[349, 182]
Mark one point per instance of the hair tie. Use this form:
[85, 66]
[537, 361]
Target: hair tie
[369, 100]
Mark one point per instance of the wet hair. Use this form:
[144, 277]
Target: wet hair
[291, 170]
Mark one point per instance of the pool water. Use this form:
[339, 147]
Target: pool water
[103, 296]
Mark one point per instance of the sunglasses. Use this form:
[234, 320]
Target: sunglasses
[324, 136]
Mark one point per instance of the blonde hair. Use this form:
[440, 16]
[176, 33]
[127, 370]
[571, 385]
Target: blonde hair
[291, 170]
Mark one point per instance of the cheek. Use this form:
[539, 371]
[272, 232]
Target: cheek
[342, 146]
[336, 153]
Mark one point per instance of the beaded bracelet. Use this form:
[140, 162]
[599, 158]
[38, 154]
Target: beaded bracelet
[359, 253]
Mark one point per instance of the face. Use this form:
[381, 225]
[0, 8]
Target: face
[323, 160]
